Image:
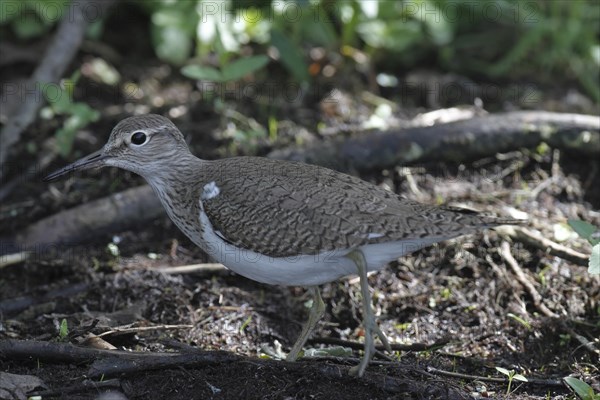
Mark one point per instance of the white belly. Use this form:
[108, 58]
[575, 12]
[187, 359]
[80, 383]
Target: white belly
[301, 270]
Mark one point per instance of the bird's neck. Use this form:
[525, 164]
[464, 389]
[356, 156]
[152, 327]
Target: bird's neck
[179, 172]
[178, 187]
[176, 181]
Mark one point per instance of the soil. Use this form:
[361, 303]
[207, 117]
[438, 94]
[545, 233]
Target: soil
[461, 292]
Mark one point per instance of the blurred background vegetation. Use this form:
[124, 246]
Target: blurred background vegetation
[488, 38]
[385, 48]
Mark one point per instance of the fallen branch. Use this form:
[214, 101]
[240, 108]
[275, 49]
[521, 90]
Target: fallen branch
[96, 342]
[15, 258]
[523, 280]
[395, 347]
[136, 329]
[536, 240]
[532, 381]
[18, 304]
[85, 386]
[69, 228]
[458, 141]
[203, 269]
[108, 363]
[585, 343]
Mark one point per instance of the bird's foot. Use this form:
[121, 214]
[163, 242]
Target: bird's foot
[316, 313]
[371, 328]
[369, 321]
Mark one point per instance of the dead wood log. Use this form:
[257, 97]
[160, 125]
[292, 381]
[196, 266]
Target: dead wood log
[71, 227]
[108, 363]
[18, 304]
[458, 141]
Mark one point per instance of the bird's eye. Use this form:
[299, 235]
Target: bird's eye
[138, 138]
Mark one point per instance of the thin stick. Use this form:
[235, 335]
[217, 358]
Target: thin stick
[123, 330]
[548, 382]
[208, 268]
[535, 239]
[524, 280]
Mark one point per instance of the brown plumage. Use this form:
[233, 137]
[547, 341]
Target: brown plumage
[281, 209]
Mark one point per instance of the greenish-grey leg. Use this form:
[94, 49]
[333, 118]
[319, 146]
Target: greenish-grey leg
[316, 313]
[369, 321]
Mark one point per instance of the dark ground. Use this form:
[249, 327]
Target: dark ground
[460, 291]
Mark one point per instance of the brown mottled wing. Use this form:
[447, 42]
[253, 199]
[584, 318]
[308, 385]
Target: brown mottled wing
[283, 209]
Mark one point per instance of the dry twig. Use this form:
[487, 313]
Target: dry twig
[536, 240]
[585, 343]
[395, 347]
[524, 280]
[203, 269]
[545, 382]
[136, 329]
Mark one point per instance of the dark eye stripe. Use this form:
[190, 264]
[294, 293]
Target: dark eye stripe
[138, 138]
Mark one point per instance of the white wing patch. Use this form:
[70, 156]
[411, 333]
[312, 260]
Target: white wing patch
[210, 191]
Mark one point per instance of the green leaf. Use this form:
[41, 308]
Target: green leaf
[105, 72]
[95, 30]
[273, 123]
[113, 249]
[334, 351]
[63, 331]
[10, 11]
[83, 114]
[291, 56]
[246, 323]
[594, 264]
[173, 30]
[202, 73]
[64, 140]
[582, 389]
[318, 32]
[243, 66]
[440, 28]
[586, 231]
[171, 43]
[520, 377]
[519, 320]
[28, 26]
[528, 40]
[69, 84]
[583, 229]
[57, 97]
[391, 36]
[503, 371]
[80, 116]
[50, 11]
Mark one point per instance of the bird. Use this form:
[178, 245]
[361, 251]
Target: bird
[281, 222]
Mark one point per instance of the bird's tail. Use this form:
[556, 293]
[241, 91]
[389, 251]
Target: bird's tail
[477, 220]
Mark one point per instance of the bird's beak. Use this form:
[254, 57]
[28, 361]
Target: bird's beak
[96, 159]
